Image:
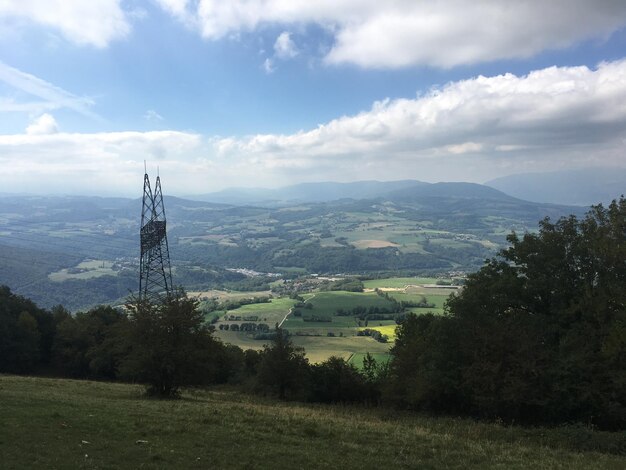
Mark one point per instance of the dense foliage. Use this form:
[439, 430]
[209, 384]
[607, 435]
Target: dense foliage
[538, 334]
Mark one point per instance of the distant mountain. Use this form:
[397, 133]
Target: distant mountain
[578, 187]
[448, 190]
[307, 193]
[463, 200]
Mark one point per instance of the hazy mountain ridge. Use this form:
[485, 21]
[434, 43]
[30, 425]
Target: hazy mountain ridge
[581, 187]
[307, 192]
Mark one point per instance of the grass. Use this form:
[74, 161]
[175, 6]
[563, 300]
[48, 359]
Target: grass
[357, 358]
[58, 424]
[268, 312]
[389, 330]
[320, 348]
[327, 303]
[415, 294]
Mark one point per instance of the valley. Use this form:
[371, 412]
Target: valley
[397, 241]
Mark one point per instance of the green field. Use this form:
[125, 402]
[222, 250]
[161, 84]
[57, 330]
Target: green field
[223, 295]
[315, 336]
[389, 330]
[270, 312]
[335, 324]
[84, 270]
[412, 289]
[336, 336]
[357, 358]
[320, 348]
[327, 303]
[398, 282]
[67, 424]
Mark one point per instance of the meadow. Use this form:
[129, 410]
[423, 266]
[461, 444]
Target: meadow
[85, 270]
[60, 423]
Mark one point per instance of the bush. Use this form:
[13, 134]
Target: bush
[282, 368]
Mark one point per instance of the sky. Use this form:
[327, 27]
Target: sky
[268, 93]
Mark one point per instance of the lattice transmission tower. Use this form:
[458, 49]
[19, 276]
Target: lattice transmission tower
[155, 274]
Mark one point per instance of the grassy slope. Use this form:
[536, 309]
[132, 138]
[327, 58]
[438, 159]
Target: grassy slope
[53, 423]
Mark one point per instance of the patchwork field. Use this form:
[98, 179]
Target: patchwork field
[326, 325]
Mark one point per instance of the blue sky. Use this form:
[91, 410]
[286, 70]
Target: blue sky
[269, 93]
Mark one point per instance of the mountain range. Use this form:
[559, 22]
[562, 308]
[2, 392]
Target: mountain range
[582, 187]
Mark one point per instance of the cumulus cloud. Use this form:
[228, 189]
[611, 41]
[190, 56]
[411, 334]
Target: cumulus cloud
[44, 124]
[284, 47]
[93, 22]
[400, 33]
[554, 116]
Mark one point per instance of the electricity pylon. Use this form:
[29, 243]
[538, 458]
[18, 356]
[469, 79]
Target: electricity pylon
[155, 273]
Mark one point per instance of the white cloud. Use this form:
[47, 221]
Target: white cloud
[152, 116]
[53, 97]
[93, 22]
[175, 7]
[44, 124]
[107, 162]
[398, 33]
[470, 130]
[284, 47]
[268, 66]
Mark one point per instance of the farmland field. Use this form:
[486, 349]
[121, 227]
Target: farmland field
[222, 295]
[268, 312]
[327, 303]
[319, 329]
[388, 330]
[319, 349]
[84, 270]
[398, 282]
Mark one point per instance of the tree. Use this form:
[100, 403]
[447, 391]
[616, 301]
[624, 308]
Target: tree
[538, 334]
[90, 344]
[21, 339]
[170, 345]
[335, 381]
[282, 367]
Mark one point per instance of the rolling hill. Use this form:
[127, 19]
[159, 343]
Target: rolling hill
[404, 227]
